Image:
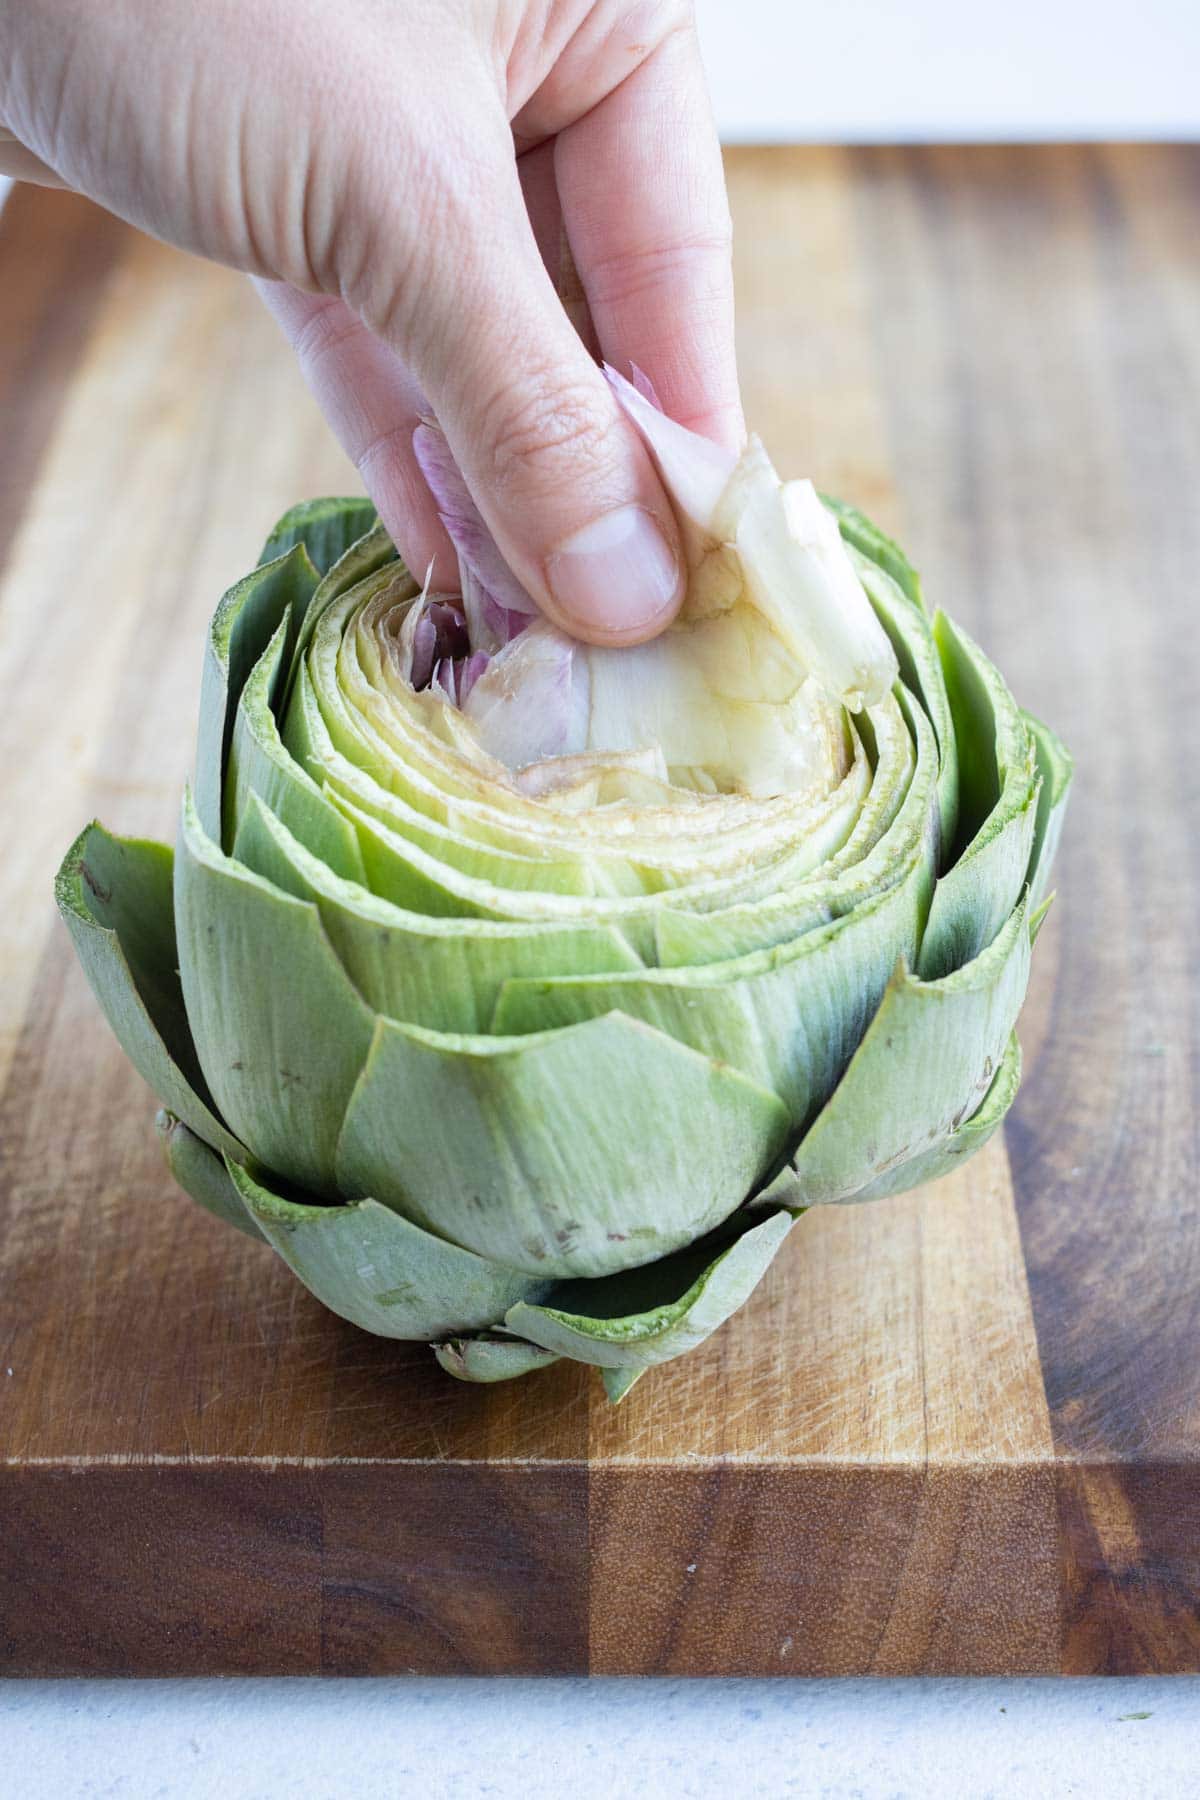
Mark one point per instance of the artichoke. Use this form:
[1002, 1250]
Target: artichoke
[523, 995]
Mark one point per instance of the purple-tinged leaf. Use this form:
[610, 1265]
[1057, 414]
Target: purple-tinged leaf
[463, 521]
[533, 699]
[424, 650]
[451, 627]
[489, 625]
[475, 665]
[695, 472]
[645, 386]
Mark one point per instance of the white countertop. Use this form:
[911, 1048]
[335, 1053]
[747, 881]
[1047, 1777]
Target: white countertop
[600, 1740]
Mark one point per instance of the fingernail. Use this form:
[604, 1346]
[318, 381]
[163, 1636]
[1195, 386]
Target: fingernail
[617, 574]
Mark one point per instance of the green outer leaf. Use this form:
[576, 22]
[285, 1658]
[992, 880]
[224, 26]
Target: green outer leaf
[259, 765]
[928, 1057]
[201, 1173]
[326, 528]
[365, 557]
[386, 846]
[998, 792]
[427, 970]
[491, 1358]
[369, 1265]
[1056, 767]
[617, 1382]
[115, 897]
[1037, 918]
[944, 1157]
[788, 1017]
[569, 1153]
[280, 1031]
[909, 627]
[679, 1302]
[242, 627]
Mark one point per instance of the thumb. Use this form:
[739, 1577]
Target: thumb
[564, 485]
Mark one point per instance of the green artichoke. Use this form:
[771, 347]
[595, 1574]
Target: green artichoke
[521, 996]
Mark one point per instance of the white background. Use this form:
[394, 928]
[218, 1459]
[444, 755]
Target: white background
[603, 1740]
[863, 70]
[886, 69]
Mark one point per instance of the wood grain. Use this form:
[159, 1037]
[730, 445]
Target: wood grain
[957, 1432]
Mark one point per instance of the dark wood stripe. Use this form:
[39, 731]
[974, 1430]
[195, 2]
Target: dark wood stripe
[241, 1568]
[1042, 391]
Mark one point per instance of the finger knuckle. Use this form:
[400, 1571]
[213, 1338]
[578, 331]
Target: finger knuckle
[545, 433]
[692, 261]
[324, 334]
[651, 21]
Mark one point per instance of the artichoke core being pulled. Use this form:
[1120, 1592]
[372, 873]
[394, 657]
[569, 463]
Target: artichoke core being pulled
[745, 694]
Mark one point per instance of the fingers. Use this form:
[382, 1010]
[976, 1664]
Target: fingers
[536, 171]
[643, 195]
[460, 293]
[373, 405]
[567, 491]
[19, 164]
[564, 485]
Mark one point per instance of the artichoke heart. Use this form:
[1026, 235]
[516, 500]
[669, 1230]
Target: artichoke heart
[522, 994]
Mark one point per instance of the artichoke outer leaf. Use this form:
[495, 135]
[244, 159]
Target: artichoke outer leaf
[945, 1156]
[201, 1173]
[1056, 767]
[326, 528]
[443, 973]
[1037, 917]
[788, 1017]
[242, 626]
[114, 895]
[653, 1314]
[366, 556]
[911, 631]
[280, 1030]
[617, 1382]
[927, 1060]
[563, 1153]
[386, 848]
[408, 876]
[378, 1270]
[999, 785]
[491, 1358]
[259, 765]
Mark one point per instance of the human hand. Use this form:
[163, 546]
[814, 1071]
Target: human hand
[397, 176]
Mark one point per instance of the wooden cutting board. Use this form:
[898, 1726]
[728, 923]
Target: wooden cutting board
[957, 1432]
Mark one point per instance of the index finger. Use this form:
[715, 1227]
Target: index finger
[643, 197]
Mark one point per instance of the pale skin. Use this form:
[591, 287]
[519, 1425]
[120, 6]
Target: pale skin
[395, 175]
